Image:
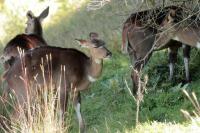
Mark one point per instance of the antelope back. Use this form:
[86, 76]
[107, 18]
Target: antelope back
[74, 61]
[20, 42]
[149, 18]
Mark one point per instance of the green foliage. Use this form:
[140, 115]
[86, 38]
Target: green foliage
[107, 105]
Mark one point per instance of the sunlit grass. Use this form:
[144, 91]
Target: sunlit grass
[165, 127]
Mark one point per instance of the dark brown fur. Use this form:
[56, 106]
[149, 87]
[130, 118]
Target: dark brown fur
[140, 32]
[32, 39]
[77, 65]
[23, 42]
[60, 56]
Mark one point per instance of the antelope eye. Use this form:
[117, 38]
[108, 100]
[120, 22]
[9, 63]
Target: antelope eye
[98, 46]
[95, 46]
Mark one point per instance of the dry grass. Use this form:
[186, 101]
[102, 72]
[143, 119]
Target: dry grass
[40, 111]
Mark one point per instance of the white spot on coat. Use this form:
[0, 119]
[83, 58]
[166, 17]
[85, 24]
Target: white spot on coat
[186, 63]
[171, 71]
[176, 38]
[183, 46]
[98, 61]
[78, 114]
[198, 45]
[91, 79]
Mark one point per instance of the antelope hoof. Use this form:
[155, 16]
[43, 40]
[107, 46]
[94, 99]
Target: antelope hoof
[170, 78]
[124, 50]
[82, 128]
[186, 81]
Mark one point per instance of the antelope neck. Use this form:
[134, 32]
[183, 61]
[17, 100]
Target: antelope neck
[38, 32]
[95, 69]
[35, 32]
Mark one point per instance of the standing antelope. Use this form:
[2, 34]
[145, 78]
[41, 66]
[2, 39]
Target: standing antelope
[141, 36]
[81, 70]
[31, 39]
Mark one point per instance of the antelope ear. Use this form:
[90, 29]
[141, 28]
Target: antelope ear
[44, 14]
[82, 42]
[173, 13]
[93, 35]
[171, 16]
[30, 15]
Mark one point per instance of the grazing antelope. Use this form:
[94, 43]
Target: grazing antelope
[174, 29]
[81, 71]
[141, 36]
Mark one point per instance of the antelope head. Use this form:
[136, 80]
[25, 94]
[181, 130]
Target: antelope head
[168, 28]
[96, 46]
[34, 25]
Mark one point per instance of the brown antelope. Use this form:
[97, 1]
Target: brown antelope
[141, 37]
[81, 70]
[31, 39]
[173, 28]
